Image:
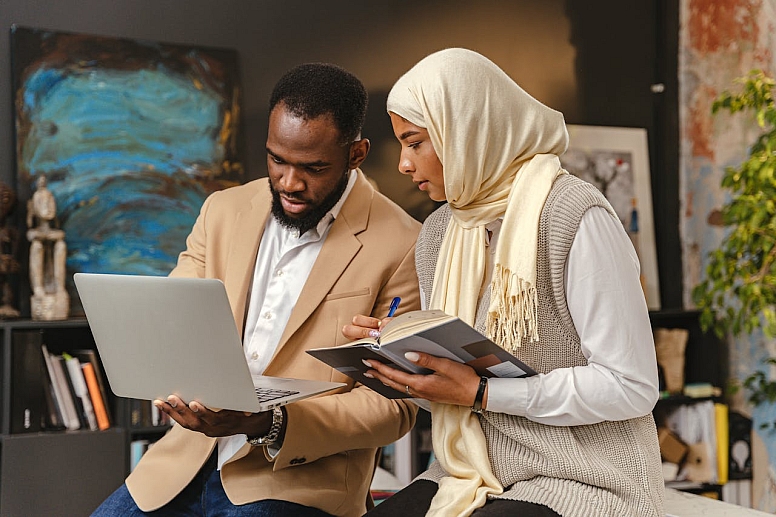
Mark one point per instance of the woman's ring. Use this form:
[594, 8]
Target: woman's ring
[407, 389]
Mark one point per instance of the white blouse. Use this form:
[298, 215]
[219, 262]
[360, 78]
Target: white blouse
[609, 311]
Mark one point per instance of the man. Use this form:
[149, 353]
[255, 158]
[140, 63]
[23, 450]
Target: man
[300, 253]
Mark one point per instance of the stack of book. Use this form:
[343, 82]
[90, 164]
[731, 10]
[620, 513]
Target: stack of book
[75, 391]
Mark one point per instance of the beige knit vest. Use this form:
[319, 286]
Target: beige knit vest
[604, 469]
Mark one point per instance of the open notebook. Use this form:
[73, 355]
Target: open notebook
[158, 336]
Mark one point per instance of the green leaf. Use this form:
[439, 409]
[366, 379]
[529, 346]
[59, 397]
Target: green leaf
[737, 293]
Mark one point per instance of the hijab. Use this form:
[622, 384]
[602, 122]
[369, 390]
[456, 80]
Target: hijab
[499, 151]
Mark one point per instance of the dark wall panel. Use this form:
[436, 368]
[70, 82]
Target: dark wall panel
[595, 61]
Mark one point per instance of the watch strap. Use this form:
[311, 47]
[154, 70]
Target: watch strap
[477, 407]
[274, 431]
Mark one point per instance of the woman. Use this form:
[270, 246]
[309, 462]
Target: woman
[536, 259]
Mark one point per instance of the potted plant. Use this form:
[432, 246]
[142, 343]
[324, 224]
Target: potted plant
[738, 293]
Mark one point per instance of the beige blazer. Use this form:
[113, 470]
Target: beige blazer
[327, 458]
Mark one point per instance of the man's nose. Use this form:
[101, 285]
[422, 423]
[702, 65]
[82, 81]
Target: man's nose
[292, 180]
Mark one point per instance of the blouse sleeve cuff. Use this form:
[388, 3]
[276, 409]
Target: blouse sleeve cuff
[508, 395]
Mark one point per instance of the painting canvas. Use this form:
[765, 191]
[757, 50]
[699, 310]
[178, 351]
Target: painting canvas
[131, 135]
[616, 161]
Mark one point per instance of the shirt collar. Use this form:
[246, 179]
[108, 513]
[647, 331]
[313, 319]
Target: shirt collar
[335, 210]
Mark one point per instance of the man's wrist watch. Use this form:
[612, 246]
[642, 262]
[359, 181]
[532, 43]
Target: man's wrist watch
[274, 431]
[477, 407]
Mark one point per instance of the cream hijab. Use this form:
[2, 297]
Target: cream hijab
[499, 150]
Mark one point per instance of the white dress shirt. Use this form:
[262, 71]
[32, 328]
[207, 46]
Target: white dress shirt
[283, 263]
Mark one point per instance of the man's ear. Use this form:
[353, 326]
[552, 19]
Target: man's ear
[358, 151]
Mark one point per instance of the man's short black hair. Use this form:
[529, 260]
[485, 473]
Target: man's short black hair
[314, 89]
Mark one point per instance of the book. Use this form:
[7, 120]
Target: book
[723, 441]
[54, 420]
[81, 390]
[140, 413]
[61, 390]
[88, 355]
[70, 386]
[98, 403]
[136, 450]
[55, 417]
[431, 331]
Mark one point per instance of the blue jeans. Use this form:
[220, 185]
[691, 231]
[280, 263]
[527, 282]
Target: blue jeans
[205, 497]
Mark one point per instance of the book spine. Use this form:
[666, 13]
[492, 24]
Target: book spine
[723, 441]
[56, 416]
[81, 391]
[137, 449]
[54, 419]
[135, 413]
[87, 355]
[100, 411]
[70, 388]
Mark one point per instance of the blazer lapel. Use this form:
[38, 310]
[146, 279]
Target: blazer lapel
[338, 250]
[248, 230]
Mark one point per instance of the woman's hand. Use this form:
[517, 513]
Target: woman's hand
[363, 327]
[450, 383]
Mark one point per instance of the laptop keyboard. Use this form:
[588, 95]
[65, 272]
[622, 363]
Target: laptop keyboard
[267, 394]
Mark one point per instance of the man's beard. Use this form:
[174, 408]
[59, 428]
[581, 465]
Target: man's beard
[314, 215]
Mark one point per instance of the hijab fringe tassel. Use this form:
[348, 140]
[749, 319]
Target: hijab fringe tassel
[514, 319]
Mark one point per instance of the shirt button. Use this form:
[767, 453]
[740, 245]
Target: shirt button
[267, 315]
[254, 355]
[279, 272]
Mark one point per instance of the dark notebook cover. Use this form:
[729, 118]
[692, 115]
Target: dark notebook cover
[432, 332]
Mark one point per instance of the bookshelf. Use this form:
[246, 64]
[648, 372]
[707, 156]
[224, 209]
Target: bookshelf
[55, 472]
[705, 357]
[704, 362]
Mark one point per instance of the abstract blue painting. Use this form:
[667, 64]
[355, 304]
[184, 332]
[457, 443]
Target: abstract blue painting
[131, 135]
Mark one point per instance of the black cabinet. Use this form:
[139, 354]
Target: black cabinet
[45, 472]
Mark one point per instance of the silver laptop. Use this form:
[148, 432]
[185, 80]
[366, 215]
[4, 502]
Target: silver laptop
[158, 336]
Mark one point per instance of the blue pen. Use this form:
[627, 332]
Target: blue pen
[394, 306]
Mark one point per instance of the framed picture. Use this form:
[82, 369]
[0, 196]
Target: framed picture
[616, 160]
[131, 137]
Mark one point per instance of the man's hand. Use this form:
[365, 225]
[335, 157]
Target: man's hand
[196, 417]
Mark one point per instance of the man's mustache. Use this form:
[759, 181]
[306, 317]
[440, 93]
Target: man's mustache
[291, 195]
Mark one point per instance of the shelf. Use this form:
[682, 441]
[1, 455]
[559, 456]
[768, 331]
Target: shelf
[41, 324]
[55, 472]
[684, 399]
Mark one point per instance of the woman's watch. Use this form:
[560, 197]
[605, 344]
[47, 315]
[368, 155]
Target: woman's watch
[274, 431]
[477, 407]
